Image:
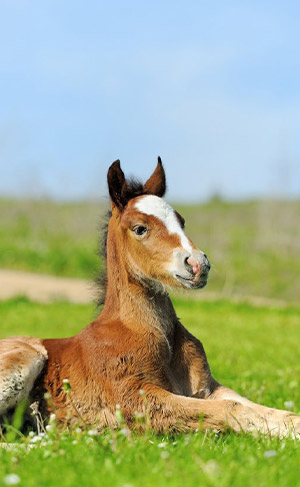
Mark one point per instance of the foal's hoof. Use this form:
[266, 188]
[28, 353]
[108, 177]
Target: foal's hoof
[295, 426]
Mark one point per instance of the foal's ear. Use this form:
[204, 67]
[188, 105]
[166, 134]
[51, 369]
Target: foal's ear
[156, 184]
[117, 185]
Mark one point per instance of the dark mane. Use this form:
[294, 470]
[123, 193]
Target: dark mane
[134, 189]
[101, 278]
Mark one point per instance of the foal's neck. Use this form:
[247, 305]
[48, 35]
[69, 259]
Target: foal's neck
[137, 304]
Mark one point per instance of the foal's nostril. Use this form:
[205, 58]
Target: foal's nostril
[190, 265]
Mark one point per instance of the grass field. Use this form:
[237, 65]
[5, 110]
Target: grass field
[253, 350]
[254, 247]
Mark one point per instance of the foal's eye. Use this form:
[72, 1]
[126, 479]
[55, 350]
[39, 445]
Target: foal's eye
[140, 230]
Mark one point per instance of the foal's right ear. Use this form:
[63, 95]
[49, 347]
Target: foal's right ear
[117, 185]
[156, 184]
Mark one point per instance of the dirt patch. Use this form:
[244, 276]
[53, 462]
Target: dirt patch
[44, 288]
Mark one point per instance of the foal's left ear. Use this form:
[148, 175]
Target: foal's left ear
[156, 184]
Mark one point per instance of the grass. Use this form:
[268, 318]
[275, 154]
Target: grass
[254, 246]
[121, 461]
[59, 239]
[253, 350]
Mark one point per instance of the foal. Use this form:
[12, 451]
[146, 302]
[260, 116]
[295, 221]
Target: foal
[136, 354]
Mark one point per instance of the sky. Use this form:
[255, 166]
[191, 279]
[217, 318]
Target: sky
[211, 87]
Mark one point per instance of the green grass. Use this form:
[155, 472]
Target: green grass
[50, 238]
[114, 460]
[253, 350]
[254, 247]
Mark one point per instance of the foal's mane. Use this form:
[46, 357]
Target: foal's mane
[134, 188]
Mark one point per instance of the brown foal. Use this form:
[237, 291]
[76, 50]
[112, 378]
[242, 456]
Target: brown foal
[136, 354]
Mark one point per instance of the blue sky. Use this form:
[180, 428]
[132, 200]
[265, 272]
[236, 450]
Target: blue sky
[211, 87]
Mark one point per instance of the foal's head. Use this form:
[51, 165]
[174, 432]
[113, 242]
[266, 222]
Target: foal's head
[150, 233]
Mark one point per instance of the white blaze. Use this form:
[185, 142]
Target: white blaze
[153, 205]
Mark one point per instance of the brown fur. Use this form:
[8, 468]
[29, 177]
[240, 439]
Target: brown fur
[137, 354]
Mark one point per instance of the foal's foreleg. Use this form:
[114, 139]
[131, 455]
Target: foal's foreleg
[275, 422]
[172, 412]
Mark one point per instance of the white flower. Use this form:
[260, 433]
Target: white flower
[93, 432]
[289, 404]
[11, 479]
[211, 468]
[164, 455]
[270, 453]
[66, 385]
[35, 439]
[282, 445]
[119, 414]
[163, 444]
[52, 417]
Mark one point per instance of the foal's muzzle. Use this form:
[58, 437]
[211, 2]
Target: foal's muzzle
[193, 271]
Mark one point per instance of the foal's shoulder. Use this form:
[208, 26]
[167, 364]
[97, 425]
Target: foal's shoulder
[108, 333]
